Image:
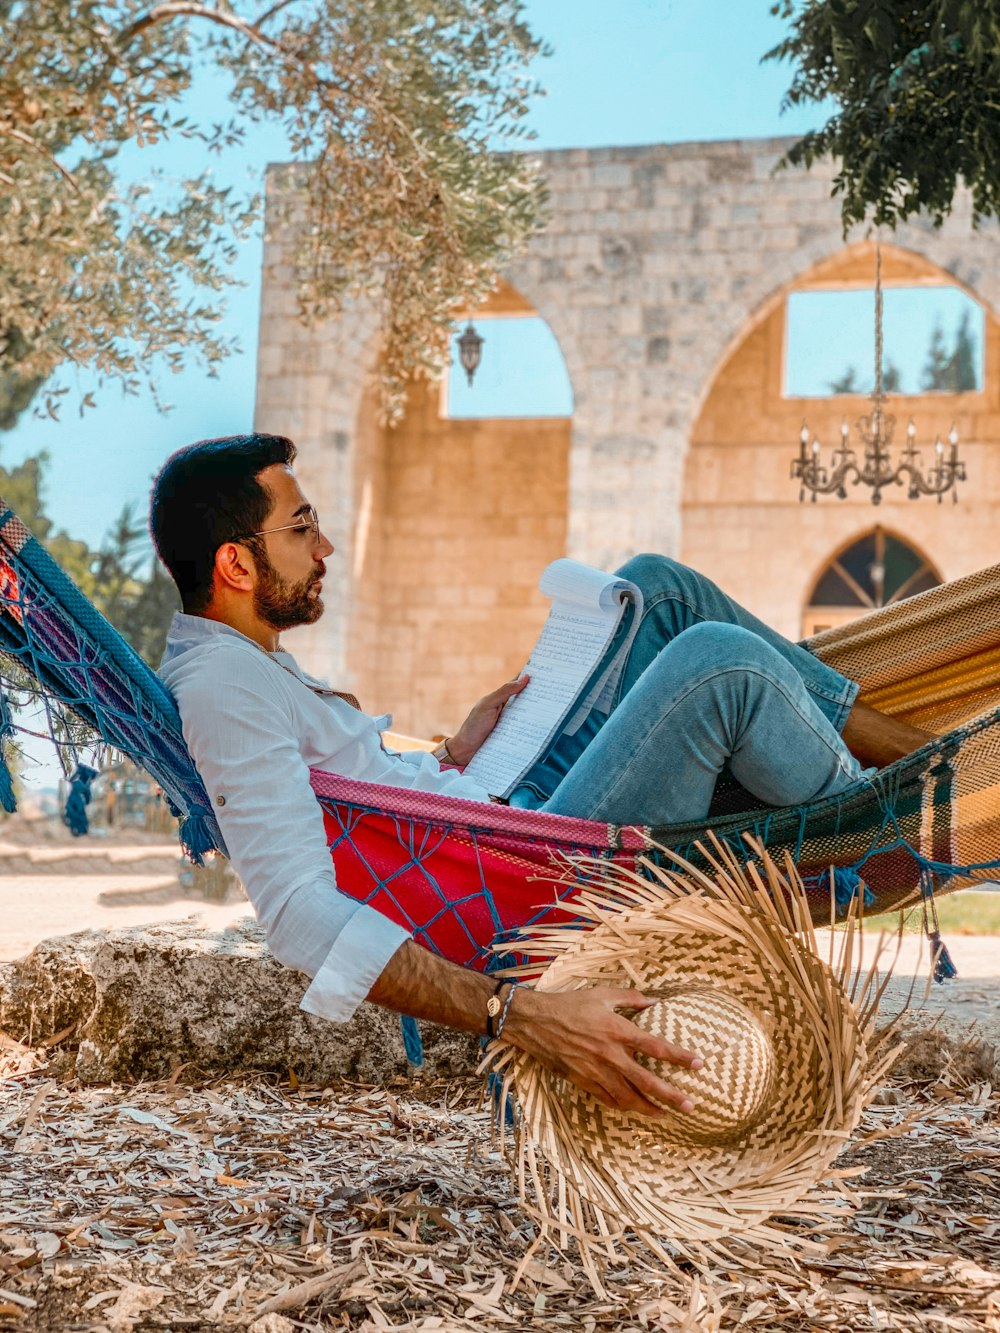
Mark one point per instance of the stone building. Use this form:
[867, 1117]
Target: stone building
[664, 273]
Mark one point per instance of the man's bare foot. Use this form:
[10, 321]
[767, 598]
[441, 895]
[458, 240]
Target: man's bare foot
[875, 738]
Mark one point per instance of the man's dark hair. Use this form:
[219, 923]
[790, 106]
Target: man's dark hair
[205, 495]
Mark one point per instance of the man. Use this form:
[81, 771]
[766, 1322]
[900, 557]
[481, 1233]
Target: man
[706, 688]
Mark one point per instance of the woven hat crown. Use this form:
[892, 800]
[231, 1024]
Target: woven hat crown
[733, 1089]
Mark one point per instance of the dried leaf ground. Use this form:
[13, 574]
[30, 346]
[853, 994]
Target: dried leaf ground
[247, 1205]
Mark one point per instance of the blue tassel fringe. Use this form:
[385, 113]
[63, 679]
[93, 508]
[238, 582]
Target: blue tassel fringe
[944, 968]
[7, 798]
[75, 815]
[846, 883]
[196, 837]
[412, 1041]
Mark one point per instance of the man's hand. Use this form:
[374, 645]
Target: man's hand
[578, 1034]
[481, 721]
[581, 1036]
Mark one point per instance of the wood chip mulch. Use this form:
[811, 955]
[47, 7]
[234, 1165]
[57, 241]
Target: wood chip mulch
[247, 1205]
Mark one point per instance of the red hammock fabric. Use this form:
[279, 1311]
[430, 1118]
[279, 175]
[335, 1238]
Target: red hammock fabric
[467, 873]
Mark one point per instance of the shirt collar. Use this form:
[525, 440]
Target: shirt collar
[185, 629]
[187, 632]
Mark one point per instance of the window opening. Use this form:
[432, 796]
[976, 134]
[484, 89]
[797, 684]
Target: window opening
[877, 570]
[521, 373]
[934, 339]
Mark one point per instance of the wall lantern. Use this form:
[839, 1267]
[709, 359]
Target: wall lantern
[470, 350]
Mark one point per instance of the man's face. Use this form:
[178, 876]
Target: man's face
[289, 562]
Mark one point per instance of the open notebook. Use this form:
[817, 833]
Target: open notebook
[574, 666]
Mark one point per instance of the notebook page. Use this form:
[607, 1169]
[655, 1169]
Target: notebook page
[567, 580]
[578, 629]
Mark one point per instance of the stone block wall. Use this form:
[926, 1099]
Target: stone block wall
[657, 263]
[460, 517]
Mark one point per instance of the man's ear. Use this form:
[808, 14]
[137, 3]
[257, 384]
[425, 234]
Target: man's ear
[234, 567]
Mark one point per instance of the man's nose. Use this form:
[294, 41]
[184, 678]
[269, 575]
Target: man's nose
[325, 547]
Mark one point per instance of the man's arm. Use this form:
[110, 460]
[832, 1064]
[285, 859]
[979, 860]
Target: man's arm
[578, 1034]
[241, 724]
[483, 718]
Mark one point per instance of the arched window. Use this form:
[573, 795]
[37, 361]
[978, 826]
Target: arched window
[875, 570]
[522, 372]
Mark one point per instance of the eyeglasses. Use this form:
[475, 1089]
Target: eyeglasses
[306, 522]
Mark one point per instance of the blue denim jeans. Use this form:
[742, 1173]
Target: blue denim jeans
[707, 689]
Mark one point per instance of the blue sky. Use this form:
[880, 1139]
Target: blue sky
[637, 71]
[846, 320]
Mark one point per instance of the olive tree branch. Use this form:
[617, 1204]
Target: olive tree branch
[19, 135]
[171, 9]
[270, 13]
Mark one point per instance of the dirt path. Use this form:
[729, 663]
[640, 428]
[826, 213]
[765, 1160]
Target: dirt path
[36, 906]
[971, 998]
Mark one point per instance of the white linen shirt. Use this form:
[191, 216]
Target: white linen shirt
[254, 731]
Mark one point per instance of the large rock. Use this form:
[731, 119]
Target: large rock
[140, 1002]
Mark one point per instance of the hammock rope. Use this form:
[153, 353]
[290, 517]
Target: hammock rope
[82, 670]
[460, 875]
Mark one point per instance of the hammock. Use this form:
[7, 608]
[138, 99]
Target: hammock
[461, 875]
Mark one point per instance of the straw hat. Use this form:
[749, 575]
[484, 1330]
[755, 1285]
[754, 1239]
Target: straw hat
[791, 1057]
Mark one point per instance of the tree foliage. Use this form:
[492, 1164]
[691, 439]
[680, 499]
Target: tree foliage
[849, 381]
[846, 382]
[947, 369]
[951, 369]
[917, 88]
[394, 108]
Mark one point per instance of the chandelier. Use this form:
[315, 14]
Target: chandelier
[875, 430]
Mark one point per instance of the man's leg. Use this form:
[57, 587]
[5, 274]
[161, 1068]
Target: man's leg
[716, 695]
[875, 738]
[676, 597]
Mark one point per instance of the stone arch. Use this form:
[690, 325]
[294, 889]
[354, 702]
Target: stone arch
[742, 521]
[454, 519]
[547, 300]
[847, 265]
[528, 368]
[932, 254]
[873, 568]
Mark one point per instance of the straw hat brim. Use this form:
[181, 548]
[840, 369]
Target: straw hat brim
[789, 1043]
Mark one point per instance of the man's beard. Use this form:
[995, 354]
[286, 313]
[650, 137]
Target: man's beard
[283, 605]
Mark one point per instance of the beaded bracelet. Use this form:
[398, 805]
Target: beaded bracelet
[514, 985]
[493, 1007]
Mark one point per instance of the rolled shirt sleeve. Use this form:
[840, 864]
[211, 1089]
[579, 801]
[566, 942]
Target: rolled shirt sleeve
[241, 727]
